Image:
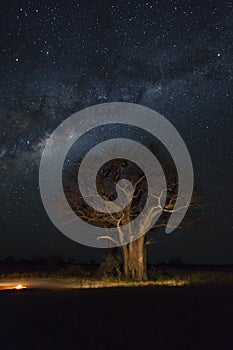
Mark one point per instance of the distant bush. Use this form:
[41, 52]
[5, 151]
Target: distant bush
[72, 271]
[190, 274]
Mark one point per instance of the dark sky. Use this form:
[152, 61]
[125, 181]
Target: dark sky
[58, 57]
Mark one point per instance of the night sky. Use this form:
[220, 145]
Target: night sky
[58, 57]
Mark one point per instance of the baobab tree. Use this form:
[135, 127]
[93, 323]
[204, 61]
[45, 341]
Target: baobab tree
[134, 253]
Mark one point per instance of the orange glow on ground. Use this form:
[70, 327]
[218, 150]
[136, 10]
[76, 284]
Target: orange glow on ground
[19, 286]
[11, 287]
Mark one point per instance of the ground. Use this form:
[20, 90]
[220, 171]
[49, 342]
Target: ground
[154, 317]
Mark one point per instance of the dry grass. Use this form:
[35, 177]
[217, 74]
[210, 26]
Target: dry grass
[159, 277]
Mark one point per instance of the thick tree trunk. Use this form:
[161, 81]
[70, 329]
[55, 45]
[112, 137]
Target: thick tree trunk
[134, 260]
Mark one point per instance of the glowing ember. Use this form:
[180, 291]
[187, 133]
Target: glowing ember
[19, 286]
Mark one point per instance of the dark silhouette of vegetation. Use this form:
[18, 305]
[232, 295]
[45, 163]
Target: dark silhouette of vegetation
[110, 269]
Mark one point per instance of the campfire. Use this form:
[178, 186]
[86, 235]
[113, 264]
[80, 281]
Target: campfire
[20, 286]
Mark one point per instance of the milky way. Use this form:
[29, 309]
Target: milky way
[172, 56]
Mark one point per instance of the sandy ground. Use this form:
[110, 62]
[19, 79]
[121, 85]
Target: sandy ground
[184, 318]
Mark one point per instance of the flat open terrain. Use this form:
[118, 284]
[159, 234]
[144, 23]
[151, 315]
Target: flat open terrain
[190, 317]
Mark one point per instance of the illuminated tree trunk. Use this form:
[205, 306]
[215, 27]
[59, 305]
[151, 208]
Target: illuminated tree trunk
[134, 260]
